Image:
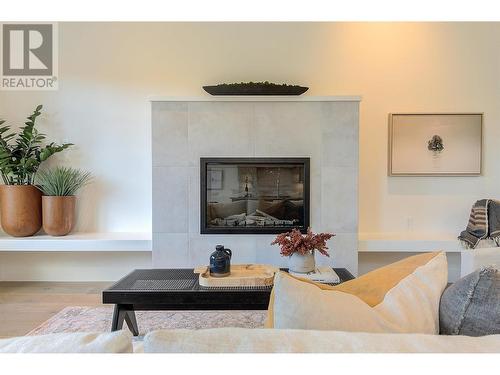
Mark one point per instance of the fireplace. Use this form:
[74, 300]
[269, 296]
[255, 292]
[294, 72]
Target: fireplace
[254, 195]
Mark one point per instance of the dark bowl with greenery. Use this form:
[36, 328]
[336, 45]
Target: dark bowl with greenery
[255, 88]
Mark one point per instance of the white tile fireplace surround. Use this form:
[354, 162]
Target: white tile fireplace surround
[325, 129]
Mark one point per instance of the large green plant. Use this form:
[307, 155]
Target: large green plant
[62, 181]
[21, 154]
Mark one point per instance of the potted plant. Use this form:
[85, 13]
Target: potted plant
[300, 248]
[59, 186]
[20, 157]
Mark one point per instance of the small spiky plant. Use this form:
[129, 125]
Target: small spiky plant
[62, 181]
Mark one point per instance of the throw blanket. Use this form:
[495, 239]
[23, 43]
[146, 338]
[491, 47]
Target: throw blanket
[484, 222]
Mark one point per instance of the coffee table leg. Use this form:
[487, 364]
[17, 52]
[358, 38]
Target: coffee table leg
[132, 322]
[118, 316]
[121, 313]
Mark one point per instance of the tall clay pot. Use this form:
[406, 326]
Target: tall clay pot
[58, 214]
[20, 209]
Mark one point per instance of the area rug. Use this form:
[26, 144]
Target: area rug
[98, 319]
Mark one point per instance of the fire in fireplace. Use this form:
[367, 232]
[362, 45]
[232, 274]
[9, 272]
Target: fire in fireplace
[254, 195]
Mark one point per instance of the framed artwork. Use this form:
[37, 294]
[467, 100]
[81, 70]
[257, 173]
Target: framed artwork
[435, 144]
[214, 179]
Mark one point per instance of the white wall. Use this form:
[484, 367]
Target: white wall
[109, 70]
[70, 266]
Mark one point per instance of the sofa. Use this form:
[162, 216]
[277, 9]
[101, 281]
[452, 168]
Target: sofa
[400, 308]
[242, 340]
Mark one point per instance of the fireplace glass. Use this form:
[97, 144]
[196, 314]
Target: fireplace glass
[254, 195]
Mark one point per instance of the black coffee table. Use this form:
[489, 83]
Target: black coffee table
[178, 289]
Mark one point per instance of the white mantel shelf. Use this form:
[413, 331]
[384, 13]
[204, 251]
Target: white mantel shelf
[408, 242]
[256, 98]
[79, 242]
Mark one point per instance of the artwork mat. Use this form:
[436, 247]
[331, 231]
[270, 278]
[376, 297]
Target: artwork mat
[478, 155]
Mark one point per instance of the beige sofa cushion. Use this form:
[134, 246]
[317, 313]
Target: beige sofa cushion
[403, 298]
[115, 342]
[242, 340]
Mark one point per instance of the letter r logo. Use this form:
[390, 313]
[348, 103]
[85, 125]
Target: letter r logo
[27, 49]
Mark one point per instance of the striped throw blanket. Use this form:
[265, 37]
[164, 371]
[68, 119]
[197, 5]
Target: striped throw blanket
[484, 222]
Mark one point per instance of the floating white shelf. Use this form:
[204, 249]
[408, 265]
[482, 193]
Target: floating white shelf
[141, 242]
[86, 242]
[408, 242]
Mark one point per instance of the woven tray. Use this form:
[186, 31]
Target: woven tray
[242, 275]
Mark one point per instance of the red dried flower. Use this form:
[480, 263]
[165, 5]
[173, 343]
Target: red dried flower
[296, 242]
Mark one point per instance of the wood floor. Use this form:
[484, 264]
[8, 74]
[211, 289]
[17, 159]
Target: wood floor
[25, 305]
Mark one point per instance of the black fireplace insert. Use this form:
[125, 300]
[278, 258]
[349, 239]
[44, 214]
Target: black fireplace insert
[254, 195]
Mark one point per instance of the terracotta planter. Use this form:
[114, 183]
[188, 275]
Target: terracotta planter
[58, 214]
[20, 209]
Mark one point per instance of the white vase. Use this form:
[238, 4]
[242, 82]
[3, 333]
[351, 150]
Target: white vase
[302, 263]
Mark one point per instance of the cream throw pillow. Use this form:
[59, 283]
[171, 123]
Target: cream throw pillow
[410, 306]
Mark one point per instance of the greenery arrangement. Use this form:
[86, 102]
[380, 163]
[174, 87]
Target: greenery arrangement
[261, 84]
[62, 181]
[255, 88]
[21, 154]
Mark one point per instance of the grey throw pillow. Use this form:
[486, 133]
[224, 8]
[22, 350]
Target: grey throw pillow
[471, 306]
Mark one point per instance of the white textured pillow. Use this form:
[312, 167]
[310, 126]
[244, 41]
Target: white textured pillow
[114, 342]
[411, 306]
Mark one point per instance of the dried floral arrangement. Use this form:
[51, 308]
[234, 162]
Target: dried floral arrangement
[296, 242]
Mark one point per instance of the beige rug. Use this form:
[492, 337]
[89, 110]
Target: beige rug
[98, 319]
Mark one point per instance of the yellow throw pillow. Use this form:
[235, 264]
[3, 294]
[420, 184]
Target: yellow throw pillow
[401, 297]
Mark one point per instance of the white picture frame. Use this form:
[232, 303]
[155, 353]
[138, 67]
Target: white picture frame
[435, 144]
